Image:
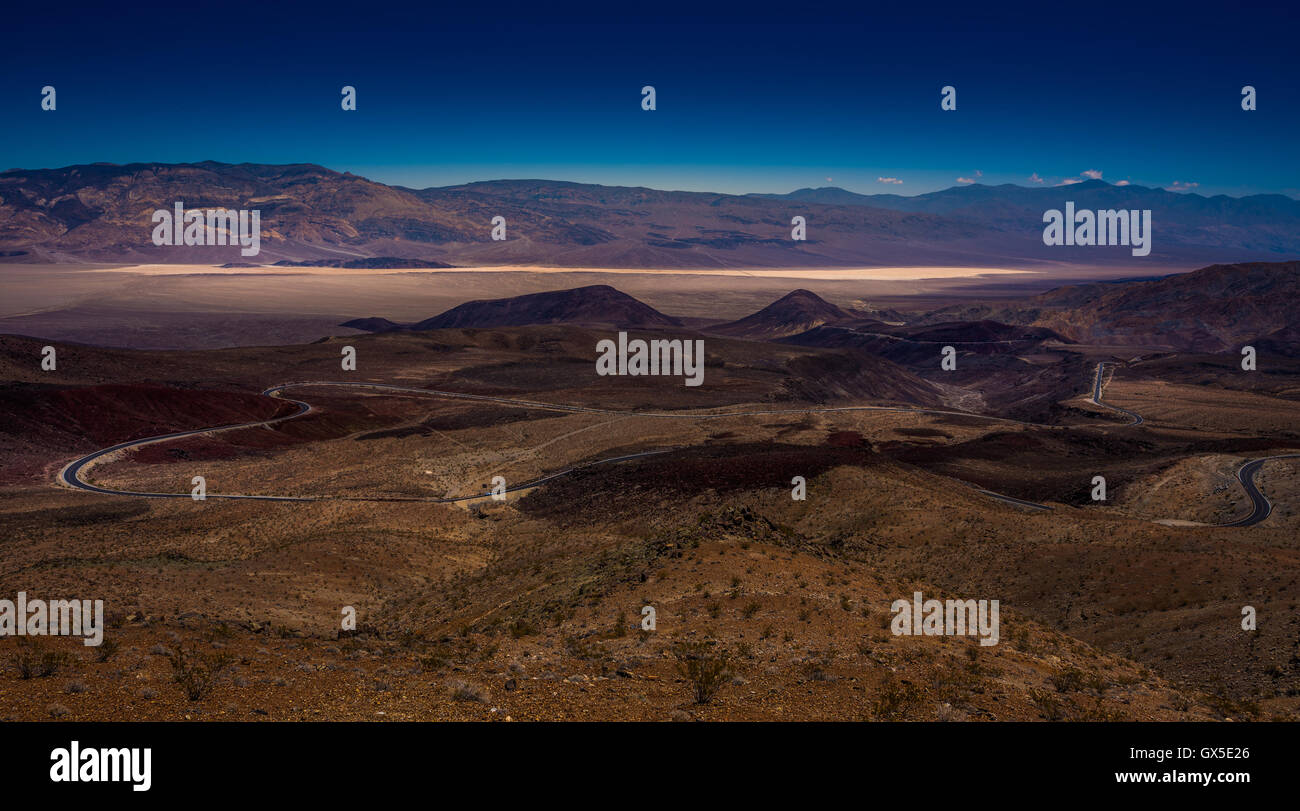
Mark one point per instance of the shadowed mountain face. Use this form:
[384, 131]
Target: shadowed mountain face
[1209, 310]
[920, 345]
[101, 212]
[1214, 309]
[1284, 341]
[595, 305]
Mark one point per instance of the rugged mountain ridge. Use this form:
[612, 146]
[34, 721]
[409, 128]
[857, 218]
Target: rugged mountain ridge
[101, 212]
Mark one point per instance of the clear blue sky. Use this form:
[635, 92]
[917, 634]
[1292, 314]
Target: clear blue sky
[808, 94]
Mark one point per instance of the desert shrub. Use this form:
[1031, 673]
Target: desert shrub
[197, 673]
[894, 700]
[819, 667]
[1219, 699]
[1068, 681]
[580, 648]
[107, 650]
[521, 628]
[464, 691]
[437, 659]
[705, 667]
[33, 660]
[1049, 705]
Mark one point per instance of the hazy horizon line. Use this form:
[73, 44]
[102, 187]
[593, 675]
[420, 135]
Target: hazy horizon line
[368, 177]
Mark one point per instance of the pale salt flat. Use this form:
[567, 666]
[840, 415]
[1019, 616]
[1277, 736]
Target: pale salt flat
[815, 274]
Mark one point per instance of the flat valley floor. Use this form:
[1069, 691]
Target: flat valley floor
[531, 608]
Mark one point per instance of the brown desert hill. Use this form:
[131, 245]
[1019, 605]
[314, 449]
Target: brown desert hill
[1214, 309]
[797, 311]
[1000, 367]
[597, 304]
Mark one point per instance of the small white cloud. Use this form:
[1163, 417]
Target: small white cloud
[830, 180]
[1091, 174]
[1034, 178]
[1122, 183]
[1179, 185]
[892, 180]
[1069, 181]
[978, 175]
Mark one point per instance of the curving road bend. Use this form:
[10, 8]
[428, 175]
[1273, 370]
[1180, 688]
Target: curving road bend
[70, 475]
[1096, 396]
[1261, 507]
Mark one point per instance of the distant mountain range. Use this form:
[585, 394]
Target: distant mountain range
[101, 212]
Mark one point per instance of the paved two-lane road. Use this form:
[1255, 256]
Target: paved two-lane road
[71, 474]
[1261, 507]
[1096, 396]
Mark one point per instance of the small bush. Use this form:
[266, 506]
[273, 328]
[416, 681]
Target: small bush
[107, 650]
[197, 673]
[894, 701]
[33, 660]
[705, 667]
[1049, 705]
[464, 691]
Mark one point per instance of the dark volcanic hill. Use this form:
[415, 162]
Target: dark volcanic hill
[101, 212]
[793, 313]
[594, 305]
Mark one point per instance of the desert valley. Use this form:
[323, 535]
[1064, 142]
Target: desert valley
[498, 516]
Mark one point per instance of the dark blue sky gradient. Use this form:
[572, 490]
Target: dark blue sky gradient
[749, 99]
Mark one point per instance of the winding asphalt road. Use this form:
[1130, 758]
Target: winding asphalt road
[1261, 507]
[1096, 397]
[71, 474]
